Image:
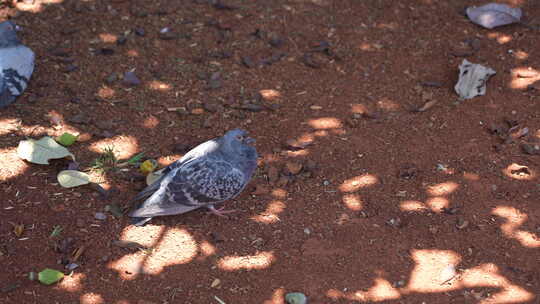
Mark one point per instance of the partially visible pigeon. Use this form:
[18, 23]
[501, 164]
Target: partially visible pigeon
[16, 64]
[214, 171]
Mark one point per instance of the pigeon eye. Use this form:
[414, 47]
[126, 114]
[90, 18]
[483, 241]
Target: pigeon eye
[239, 137]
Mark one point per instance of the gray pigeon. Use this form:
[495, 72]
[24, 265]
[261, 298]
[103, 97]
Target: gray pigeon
[214, 171]
[16, 64]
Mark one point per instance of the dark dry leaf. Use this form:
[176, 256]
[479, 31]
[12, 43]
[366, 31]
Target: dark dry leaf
[322, 47]
[104, 194]
[252, 107]
[273, 59]
[10, 287]
[310, 61]
[274, 40]
[498, 129]
[128, 244]
[434, 84]
[77, 253]
[80, 118]
[59, 51]
[18, 229]
[218, 4]
[106, 51]
[248, 62]
[428, 105]
[407, 171]
[530, 149]
[297, 144]
[64, 245]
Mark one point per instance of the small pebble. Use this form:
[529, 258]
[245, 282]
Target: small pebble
[100, 216]
[130, 79]
[140, 32]
[326, 183]
[296, 298]
[121, 40]
[307, 231]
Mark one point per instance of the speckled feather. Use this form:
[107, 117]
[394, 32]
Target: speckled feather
[213, 172]
[16, 64]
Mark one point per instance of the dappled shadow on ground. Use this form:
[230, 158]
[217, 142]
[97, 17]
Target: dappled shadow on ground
[356, 199]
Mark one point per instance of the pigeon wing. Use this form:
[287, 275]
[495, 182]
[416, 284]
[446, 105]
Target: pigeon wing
[196, 184]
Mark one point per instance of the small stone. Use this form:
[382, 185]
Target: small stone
[140, 32]
[326, 183]
[215, 283]
[167, 34]
[100, 216]
[394, 222]
[121, 40]
[307, 231]
[130, 79]
[295, 298]
[462, 223]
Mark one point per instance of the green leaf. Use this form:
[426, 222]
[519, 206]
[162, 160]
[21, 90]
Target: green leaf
[50, 276]
[56, 231]
[40, 151]
[66, 139]
[153, 176]
[72, 178]
[135, 159]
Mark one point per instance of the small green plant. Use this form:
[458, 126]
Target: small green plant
[56, 231]
[105, 161]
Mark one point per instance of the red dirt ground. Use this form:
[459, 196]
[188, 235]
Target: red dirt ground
[376, 203]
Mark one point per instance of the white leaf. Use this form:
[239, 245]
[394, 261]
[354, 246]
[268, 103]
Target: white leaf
[72, 178]
[494, 14]
[40, 151]
[472, 79]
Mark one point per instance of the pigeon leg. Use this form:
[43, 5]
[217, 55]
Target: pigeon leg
[220, 211]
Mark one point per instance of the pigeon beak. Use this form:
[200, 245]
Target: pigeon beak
[18, 28]
[249, 141]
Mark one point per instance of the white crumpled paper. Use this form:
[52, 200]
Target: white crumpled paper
[494, 14]
[472, 79]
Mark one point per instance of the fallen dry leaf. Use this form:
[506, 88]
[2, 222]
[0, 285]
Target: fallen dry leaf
[428, 105]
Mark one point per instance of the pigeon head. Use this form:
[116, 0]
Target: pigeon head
[8, 34]
[237, 142]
